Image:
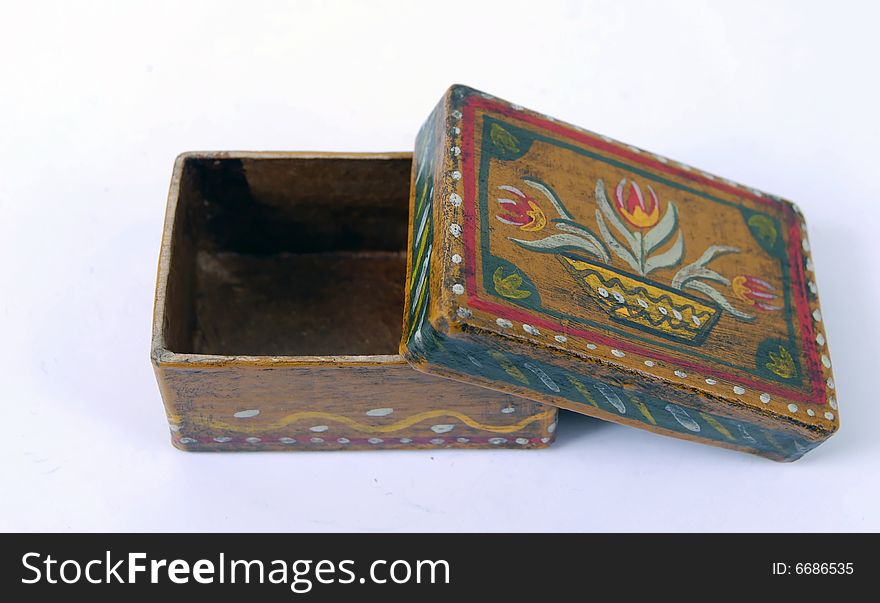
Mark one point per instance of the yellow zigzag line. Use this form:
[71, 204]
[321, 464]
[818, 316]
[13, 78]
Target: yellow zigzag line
[363, 427]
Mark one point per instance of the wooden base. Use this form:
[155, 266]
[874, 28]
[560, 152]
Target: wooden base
[278, 314]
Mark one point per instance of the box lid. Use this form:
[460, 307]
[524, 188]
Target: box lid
[559, 265]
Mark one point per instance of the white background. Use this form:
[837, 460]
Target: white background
[96, 99]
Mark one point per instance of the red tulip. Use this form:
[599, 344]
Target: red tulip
[756, 292]
[522, 211]
[636, 208]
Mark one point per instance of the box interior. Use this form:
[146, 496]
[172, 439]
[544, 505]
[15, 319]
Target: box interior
[289, 256]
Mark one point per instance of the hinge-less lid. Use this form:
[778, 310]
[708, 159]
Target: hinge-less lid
[565, 267]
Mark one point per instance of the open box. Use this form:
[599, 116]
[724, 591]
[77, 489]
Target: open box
[279, 312]
[524, 256]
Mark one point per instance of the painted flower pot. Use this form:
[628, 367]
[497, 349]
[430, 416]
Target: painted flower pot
[642, 304]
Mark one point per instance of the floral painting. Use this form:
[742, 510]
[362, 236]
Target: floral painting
[637, 234]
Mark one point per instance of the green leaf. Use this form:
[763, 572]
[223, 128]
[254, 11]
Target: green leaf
[504, 140]
[765, 230]
[709, 275]
[664, 230]
[781, 363]
[611, 215]
[551, 196]
[509, 367]
[615, 246]
[719, 299]
[692, 270]
[585, 233]
[559, 242]
[776, 359]
[509, 286]
[668, 258]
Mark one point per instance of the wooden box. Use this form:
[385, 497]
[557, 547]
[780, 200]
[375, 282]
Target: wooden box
[278, 314]
[562, 266]
[541, 266]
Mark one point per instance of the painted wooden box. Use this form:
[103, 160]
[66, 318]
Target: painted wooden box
[278, 314]
[555, 264]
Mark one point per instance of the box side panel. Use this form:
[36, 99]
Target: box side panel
[424, 246]
[342, 407]
[594, 390]
[172, 310]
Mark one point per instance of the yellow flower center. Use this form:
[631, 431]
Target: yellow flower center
[539, 220]
[738, 284]
[640, 219]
